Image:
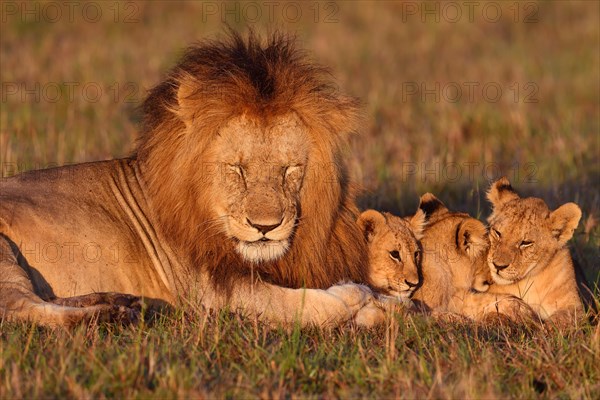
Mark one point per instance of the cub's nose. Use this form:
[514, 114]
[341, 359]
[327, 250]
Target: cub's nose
[411, 284]
[264, 229]
[500, 267]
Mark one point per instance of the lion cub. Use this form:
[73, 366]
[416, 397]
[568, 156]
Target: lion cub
[454, 259]
[437, 255]
[528, 256]
[394, 251]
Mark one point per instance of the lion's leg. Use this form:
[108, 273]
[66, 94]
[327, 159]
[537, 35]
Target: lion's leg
[19, 302]
[309, 307]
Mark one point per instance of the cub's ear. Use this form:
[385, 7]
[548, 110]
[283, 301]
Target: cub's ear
[471, 238]
[417, 224]
[431, 205]
[371, 222]
[564, 220]
[501, 192]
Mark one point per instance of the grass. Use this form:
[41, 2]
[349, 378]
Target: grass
[411, 142]
[197, 355]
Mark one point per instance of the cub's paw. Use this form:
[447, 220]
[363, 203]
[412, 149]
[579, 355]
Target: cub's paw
[515, 309]
[449, 317]
[564, 321]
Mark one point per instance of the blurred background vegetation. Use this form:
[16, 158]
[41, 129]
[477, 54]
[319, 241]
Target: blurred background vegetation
[455, 95]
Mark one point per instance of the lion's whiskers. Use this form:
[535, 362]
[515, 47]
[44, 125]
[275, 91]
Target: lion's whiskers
[210, 224]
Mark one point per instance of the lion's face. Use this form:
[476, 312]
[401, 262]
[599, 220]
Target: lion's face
[394, 251]
[257, 187]
[242, 161]
[524, 234]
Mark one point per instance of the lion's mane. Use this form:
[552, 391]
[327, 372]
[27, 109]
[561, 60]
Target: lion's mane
[238, 76]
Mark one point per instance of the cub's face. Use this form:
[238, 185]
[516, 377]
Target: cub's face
[455, 242]
[394, 251]
[257, 176]
[524, 234]
[482, 278]
[519, 240]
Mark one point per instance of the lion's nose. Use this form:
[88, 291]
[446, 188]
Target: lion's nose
[500, 267]
[264, 229]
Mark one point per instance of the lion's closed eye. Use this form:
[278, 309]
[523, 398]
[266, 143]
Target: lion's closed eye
[292, 173]
[525, 244]
[289, 170]
[237, 168]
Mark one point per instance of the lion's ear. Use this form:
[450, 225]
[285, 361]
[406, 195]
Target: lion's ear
[431, 205]
[564, 220]
[471, 238]
[417, 224]
[370, 223]
[501, 192]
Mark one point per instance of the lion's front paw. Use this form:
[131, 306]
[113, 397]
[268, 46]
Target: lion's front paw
[353, 295]
[336, 305]
[375, 311]
[394, 302]
[369, 316]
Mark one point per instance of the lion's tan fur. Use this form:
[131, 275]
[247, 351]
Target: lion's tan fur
[173, 221]
[528, 256]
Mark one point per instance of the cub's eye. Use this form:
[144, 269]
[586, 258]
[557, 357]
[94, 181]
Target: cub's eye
[496, 233]
[395, 255]
[525, 243]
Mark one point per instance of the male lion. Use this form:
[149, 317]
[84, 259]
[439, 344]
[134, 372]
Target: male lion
[528, 255]
[454, 251]
[236, 196]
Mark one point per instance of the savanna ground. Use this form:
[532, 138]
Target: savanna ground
[448, 107]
